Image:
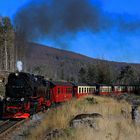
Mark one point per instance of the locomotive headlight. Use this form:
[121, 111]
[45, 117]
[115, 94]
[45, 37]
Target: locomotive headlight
[16, 74]
[8, 99]
[22, 99]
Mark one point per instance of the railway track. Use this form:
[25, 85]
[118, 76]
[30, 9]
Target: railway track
[8, 126]
[3, 122]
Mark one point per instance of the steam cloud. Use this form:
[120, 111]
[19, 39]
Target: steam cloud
[55, 18]
[19, 66]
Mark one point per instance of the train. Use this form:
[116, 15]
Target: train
[27, 94]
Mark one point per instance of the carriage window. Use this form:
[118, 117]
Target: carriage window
[82, 90]
[89, 90]
[85, 90]
[70, 90]
[100, 89]
[66, 90]
[79, 90]
[58, 90]
[108, 89]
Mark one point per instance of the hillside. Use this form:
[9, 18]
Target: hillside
[60, 64]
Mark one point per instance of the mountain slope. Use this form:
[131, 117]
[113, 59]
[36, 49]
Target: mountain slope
[60, 64]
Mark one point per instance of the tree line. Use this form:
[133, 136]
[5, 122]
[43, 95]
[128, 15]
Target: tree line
[104, 73]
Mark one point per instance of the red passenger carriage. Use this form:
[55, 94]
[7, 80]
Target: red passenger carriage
[61, 91]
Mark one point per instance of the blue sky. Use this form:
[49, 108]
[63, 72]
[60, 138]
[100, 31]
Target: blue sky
[110, 44]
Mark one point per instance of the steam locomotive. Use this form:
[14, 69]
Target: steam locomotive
[27, 94]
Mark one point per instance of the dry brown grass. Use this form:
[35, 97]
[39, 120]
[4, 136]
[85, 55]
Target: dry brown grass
[113, 126]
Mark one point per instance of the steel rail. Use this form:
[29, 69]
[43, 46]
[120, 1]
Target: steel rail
[7, 124]
[9, 127]
[2, 122]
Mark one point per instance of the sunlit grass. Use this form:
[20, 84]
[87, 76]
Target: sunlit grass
[113, 126]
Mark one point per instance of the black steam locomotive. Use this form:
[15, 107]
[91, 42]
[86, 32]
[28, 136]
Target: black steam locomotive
[25, 94]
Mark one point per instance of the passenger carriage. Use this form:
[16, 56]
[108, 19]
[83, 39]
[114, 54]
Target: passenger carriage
[85, 89]
[119, 89]
[130, 88]
[133, 89]
[103, 89]
[61, 91]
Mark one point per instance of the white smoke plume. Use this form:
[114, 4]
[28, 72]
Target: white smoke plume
[19, 66]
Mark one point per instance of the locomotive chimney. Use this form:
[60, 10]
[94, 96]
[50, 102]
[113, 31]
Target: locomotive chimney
[19, 66]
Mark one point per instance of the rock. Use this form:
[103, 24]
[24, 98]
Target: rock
[54, 134]
[85, 120]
